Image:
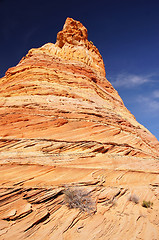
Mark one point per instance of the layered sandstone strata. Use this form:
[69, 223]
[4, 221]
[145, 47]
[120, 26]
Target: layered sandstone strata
[58, 109]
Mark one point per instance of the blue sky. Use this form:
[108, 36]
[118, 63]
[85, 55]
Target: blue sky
[126, 32]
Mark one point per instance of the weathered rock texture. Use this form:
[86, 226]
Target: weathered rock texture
[63, 124]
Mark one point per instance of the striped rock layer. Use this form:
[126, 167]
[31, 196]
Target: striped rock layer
[64, 126]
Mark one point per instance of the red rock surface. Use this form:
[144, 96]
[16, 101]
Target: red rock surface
[62, 123]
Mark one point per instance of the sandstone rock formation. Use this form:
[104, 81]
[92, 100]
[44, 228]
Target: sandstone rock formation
[64, 125]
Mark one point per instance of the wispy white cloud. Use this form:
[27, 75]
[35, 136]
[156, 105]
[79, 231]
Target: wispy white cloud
[130, 80]
[149, 103]
[156, 93]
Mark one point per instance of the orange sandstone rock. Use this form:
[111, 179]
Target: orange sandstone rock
[63, 124]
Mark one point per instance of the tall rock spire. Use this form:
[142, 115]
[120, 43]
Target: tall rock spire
[63, 125]
[65, 84]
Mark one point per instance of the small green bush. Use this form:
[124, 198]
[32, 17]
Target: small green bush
[79, 198]
[147, 204]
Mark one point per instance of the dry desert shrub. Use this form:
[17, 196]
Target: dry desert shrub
[79, 198]
[133, 198]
